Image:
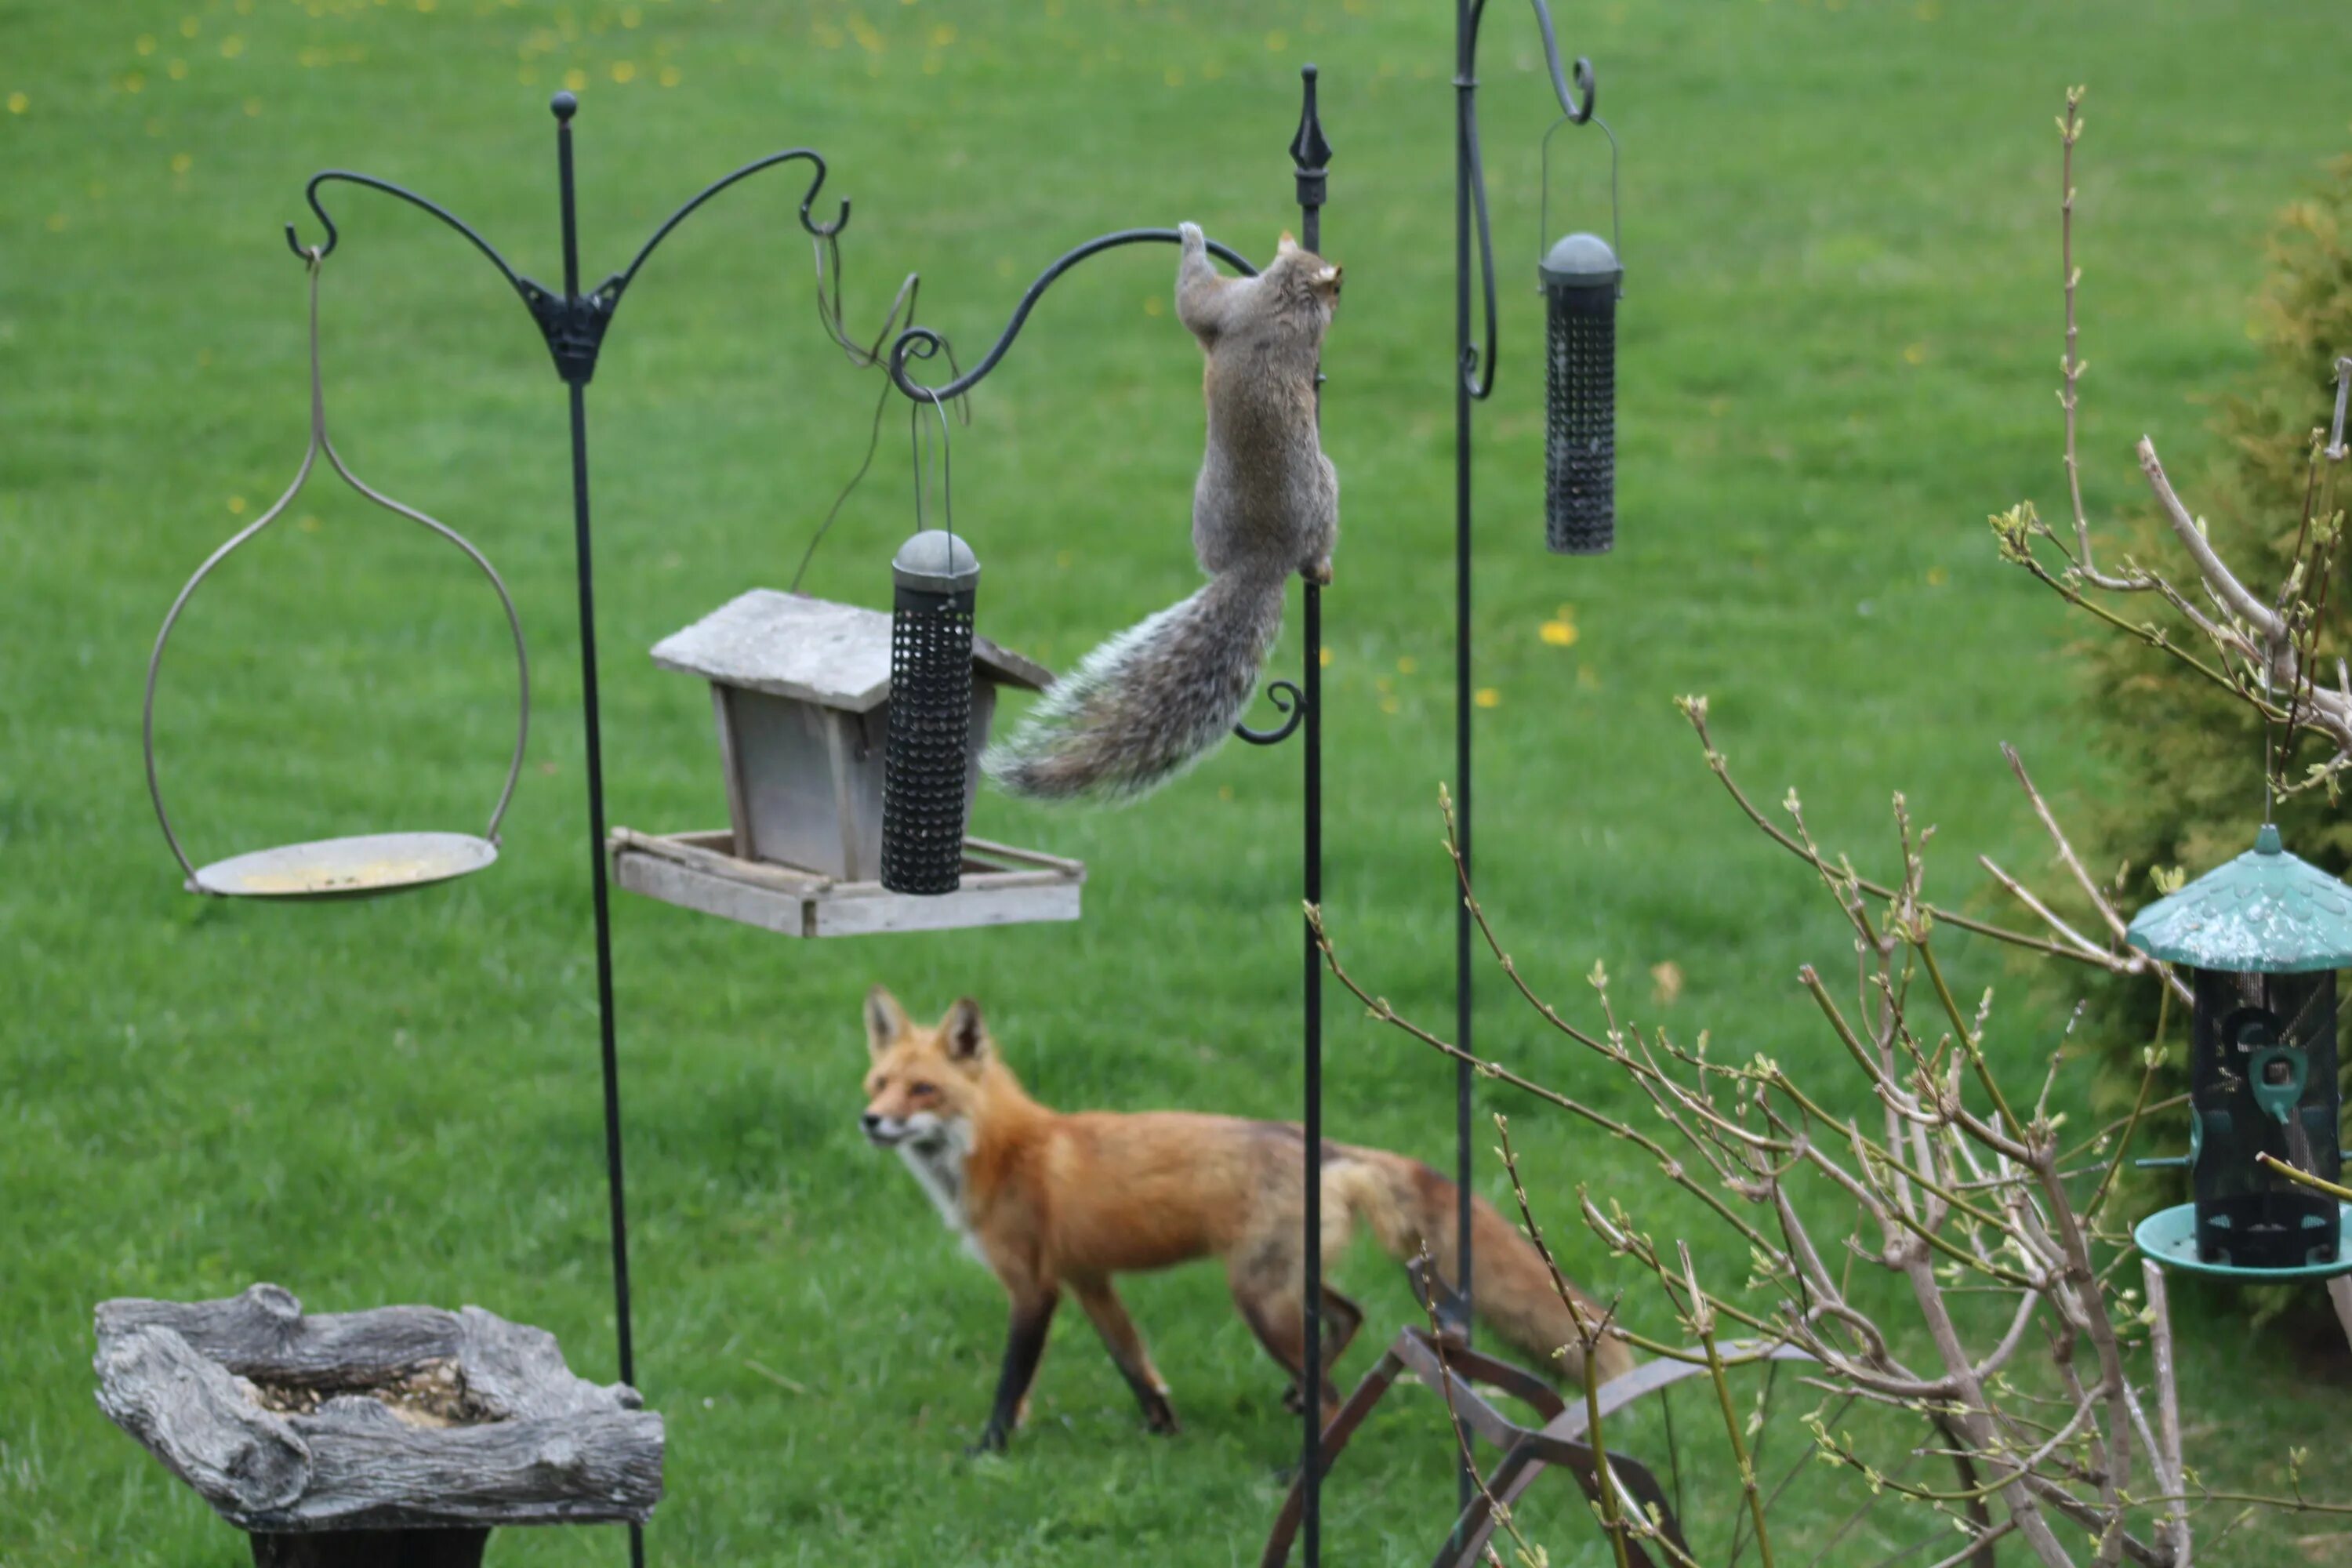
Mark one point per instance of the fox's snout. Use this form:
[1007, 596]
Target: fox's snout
[884, 1131]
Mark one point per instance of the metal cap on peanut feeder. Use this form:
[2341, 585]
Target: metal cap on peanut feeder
[2262, 938]
[935, 579]
[1581, 276]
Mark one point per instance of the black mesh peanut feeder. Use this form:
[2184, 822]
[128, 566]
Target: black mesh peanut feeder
[928, 771]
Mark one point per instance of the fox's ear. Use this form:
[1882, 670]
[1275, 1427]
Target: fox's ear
[1285, 244]
[962, 1032]
[886, 1021]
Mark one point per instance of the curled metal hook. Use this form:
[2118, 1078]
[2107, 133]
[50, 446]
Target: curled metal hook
[1576, 104]
[613, 287]
[921, 342]
[311, 194]
[1287, 699]
[822, 230]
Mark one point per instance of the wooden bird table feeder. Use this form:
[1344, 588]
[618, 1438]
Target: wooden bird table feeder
[391, 1438]
[801, 691]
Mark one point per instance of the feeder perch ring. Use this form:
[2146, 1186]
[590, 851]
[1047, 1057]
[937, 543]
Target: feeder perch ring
[2169, 1236]
[349, 867]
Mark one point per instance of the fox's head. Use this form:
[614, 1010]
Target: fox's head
[922, 1084]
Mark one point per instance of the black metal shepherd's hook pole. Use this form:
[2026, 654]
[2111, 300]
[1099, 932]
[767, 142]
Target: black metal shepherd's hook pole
[1473, 381]
[574, 324]
[584, 556]
[1311, 155]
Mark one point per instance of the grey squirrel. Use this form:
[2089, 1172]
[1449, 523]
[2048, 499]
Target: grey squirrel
[1158, 697]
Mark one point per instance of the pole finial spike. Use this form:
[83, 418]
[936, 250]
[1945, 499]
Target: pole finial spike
[1309, 149]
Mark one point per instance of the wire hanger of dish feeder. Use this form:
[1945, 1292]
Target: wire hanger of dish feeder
[371, 863]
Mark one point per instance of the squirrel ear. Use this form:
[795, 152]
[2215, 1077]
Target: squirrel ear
[1285, 244]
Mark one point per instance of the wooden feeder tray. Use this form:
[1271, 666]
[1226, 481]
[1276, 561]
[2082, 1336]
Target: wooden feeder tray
[400, 1435]
[1002, 885]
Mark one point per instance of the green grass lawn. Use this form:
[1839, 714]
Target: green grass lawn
[1840, 343]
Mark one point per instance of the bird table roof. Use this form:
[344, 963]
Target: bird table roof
[814, 650]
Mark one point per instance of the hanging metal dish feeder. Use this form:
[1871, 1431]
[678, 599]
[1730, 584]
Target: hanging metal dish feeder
[369, 863]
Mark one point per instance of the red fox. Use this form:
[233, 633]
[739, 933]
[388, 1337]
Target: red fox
[1052, 1202]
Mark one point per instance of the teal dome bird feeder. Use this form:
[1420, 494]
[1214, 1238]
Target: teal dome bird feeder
[2262, 938]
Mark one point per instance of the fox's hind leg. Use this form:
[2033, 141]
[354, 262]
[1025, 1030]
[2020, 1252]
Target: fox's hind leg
[1120, 1337]
[1341, 1318]
[1267, 1291]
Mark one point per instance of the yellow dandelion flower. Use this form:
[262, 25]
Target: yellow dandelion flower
[1391, 706]
[1917, 354]
[177, 70]
[146, 44]
[1277, 41]
[1407, 665]
[1488, 697]
[1224, 792]
[18, 103]
[190, 26]
[671, 76]
[576, 79]
[1324, 659]
[1558, 634]
[236, 504]
[428, 6]
[1173, 76]
[943, 35]
[309, 524]
[252, 108]
[56, 223]
[631, 16]
[625, 71]
[1938, 577]
[182, 162]
[1153, 305]
[232, 46]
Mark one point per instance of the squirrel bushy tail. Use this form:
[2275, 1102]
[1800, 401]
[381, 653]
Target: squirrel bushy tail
[1151, 703]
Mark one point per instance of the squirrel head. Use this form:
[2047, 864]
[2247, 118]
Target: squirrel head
[1304, 283]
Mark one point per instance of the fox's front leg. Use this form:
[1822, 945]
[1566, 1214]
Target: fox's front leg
[1024, 1346]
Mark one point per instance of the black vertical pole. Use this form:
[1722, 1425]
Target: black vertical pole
[576, 380]
[1311, 155]
[1466, 89]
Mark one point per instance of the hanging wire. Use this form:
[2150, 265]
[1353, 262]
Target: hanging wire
[313, 259]
[1543, 208]
[919, 445]
[830, 315]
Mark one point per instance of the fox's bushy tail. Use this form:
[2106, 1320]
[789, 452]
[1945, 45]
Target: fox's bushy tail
[1408, 1206]
[1151, 701]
